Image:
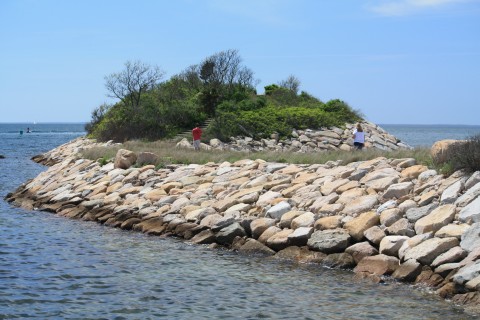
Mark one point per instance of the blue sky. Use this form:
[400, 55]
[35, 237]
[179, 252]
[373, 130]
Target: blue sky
[398, 61]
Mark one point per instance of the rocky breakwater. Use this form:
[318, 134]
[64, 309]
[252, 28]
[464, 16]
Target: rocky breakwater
[327, 139]
[383, 218]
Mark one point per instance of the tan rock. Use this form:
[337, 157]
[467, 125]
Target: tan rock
[380, 265]
[413, 172]
[332, 186]
[349, 195]
[361, 250]
[429, 249]
[452, 230]
[258, 226]
[437, 219]
[279, 240]
[307, 219]
[374, 234]
[324, 223]
[124, 159]
[360, 204]
[439, 150]
[390, 216]
[268, 233]
[357, 226]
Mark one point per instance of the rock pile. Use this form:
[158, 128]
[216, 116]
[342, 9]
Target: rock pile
[309, 141]
[383, 217]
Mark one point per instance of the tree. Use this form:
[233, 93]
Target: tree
[130, 84]
[292, 83]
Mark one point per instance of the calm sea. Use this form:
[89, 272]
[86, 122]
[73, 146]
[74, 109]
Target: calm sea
[56, 268]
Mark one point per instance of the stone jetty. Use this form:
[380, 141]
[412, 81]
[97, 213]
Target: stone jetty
[382, 218]
[326, 139]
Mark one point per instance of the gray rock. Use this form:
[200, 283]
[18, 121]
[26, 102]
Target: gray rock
[277, 211]
[361, 250]
[329, 241]
[391, 244]
[401, 228]
[471, 237]
[473, 180]
[253, 246]
[467, 273]
[223, 223]
[407, 271]
[398, 190]
[453, 255]
[339, 260]
[374, 234]
[450, 194]
[471, 213]
[300, 236]
[470, 195]
[227, 234]
[429, 249]
[414, 214]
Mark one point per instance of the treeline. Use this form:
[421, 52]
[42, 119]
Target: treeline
[220, 88]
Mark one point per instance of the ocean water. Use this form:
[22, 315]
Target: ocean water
[56, 268]
[426, 135]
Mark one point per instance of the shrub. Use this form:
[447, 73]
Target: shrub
[464, 155]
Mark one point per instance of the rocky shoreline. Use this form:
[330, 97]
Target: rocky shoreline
[383, 218]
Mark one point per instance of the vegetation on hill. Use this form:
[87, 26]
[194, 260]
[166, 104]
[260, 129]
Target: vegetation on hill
[218, 88]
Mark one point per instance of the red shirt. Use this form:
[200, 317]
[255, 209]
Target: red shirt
[197, 133]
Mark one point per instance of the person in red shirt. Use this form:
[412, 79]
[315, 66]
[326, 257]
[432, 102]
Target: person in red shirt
[197, 135]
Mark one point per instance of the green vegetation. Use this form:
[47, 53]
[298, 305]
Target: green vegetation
[218, 88]
[463, 155]
[172, 155]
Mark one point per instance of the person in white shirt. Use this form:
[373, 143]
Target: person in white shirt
[358, 137]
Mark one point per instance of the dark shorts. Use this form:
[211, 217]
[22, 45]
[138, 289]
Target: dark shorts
[358, 145]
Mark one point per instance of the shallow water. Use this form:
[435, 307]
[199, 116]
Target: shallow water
[56, 268]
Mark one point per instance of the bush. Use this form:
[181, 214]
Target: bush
[464, 155]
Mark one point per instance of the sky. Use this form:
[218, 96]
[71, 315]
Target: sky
[397, 61]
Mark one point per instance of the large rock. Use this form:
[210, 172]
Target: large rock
[467, 273]
[471, 213]
[471, 194]
[437, 219]
[300, 236]
[374, 234]
[429, 249]
[450, 194]
[391, 244]
[412, 242]
[305, 220]
[329, 241]
[453, 255]
[253, 246]
[146, 158]
[408, 271]
[380, 265]
[471, 237]
[413, 172]
[276, 212]
[361, 250]
[339, 260]
[227, 234]
[279, 240]
[439, 149]
[124, 159]
[398, 190]
[357, 226]
[390, 216]
[258, 226]
[360, 204]
[287, 218]
[414, 214]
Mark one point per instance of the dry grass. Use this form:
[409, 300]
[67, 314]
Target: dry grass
[168, 153]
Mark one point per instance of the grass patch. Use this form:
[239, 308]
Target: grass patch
[168, 153]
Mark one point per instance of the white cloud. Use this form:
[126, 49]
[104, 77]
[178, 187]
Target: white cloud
[405, 7]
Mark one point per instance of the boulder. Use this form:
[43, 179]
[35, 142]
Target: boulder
[277, 211]
[204, 237]
[253, 246]
[401, 228]
[329, 241]
[452, 230]
[428, 250]
[258, 226]
[357, 226]
[374, 234]
[380, 265]
[414, 214]
[361, 250]
[455, 254]
[226, 235]
[398, 190]
[439, 149]
[299, 237]
[408, 271]
[279, 240]
[268, 234]
[305, 220]
[286, 219]
[124, 159]
[450, 194]
[300, 254]
[391, 244]
[471, 213]
[435, 220]
[471, 237]
[339, 260]
[413, 172]
[390, 216]
[331, 222]
[467, 273]
[360, 204]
